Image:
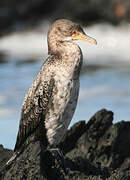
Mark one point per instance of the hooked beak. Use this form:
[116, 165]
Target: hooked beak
[82, 36]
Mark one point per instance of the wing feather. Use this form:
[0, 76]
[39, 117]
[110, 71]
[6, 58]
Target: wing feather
[33, 111]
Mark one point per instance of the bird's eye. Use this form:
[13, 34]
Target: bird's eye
[74, 32]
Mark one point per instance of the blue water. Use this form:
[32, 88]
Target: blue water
[103, 88]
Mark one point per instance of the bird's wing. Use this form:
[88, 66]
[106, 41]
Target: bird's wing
[33, 111]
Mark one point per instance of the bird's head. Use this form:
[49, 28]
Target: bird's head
[66, 30]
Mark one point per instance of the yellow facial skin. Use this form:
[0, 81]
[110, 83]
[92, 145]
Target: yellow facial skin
[82, 36]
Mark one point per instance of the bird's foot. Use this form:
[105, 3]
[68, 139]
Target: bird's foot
[59, 154]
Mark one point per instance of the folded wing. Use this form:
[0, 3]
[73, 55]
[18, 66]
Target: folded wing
[33, 112]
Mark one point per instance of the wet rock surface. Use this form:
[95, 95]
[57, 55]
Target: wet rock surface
[94, 150]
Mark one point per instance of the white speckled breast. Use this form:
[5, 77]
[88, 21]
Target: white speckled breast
[60, 115]
[65, 96]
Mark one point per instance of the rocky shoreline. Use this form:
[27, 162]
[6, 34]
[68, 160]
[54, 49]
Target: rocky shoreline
[94, 150]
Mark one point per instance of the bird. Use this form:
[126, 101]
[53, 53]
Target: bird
[51, 100]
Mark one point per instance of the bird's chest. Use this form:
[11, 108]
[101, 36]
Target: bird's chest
[64, 100]
[65, 88]
[62, 107]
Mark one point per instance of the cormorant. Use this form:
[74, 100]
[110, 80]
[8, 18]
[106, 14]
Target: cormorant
[51, 101]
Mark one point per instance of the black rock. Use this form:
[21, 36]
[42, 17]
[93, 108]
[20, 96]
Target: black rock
[5, 154]
[94, 150]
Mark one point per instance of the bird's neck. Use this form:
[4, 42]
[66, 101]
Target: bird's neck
[63, 49]
[69, 55]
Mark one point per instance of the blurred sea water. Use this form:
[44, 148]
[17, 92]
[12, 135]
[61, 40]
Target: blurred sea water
[105, 78]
